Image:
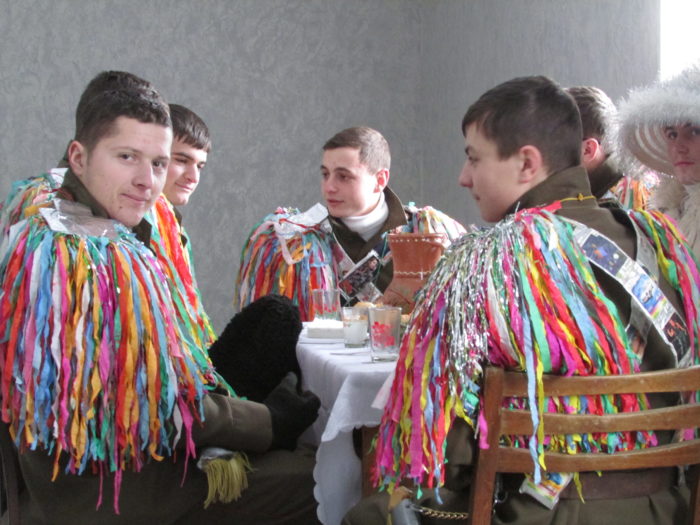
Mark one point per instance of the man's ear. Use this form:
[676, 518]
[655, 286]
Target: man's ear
[531, 164]
[589, 150]
[382, 179]
[77, 157]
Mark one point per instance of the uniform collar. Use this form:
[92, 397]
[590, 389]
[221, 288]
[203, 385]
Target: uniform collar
[604, 177]
[569, 186]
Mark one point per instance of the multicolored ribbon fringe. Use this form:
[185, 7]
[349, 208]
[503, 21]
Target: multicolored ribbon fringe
[28, 194]
[633, 193]
[287, 264]
[520, 295]
[94, 362]
[678, 266]
[175, 260]
[154, 363]
[308, 258]
[429, 220]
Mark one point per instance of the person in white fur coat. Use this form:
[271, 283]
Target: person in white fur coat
[660, 127]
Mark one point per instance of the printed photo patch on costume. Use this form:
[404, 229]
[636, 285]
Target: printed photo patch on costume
[358, 282]
[650, 306]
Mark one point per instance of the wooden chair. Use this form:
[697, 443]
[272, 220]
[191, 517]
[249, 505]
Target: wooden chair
[499, 384]
[9, 503]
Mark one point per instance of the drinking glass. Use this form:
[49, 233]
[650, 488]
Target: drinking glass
[326, 304]
[384, 332]
[354, 326]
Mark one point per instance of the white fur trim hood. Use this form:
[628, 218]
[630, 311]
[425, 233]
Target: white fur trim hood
[646, 110]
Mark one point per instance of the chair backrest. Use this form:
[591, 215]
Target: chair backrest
[10, 476]
[499, 384]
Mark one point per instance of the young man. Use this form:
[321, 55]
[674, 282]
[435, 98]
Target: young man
[538, 293]
[324, 246]
[608, 182]
[191, 147]
[108, 396]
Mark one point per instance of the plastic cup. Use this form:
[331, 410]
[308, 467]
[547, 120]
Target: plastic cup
[326, 304]
[384, 332]
[354, 326]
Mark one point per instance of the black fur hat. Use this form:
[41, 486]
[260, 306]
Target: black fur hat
[258, 346]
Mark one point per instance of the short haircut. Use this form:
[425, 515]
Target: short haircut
[109, 81]
[189, 128]
[596, 108]
[530, 111]
[99, 113]
[105, 81]
[373, 147]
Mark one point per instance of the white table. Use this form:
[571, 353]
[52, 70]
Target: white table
[346, 381]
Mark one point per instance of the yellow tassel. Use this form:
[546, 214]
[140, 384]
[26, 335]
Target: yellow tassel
[227, 477]
[579, 487]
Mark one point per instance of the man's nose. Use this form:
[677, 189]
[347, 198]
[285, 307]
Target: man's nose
[681, 144]
[465, 178]
[328, 184]
[145, 177]
[192, 173]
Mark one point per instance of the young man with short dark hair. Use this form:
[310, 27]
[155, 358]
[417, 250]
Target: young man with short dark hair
[106, 390]
[543, 292]
[347, 236]
[191, 147]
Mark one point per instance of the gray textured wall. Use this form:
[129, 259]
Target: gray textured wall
[471, 46]
[274, 79]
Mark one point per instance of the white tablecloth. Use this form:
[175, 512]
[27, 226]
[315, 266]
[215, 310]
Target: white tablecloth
[346, 381]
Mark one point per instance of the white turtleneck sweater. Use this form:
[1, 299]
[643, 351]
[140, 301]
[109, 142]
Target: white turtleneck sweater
[367, 225]
[683, 204]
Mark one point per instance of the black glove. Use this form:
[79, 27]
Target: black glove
[291, 412]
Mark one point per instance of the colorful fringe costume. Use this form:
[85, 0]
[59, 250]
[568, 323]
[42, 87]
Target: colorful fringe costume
[522, 296]
[292, 253]
[176, 260]
[102, 343]
[287, 256]
[27, 195]
[634, 193]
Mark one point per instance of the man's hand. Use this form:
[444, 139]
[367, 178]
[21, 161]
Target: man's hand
[291, 412]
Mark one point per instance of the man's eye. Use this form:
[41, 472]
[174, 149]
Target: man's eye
[160, 164]
[126, 156]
